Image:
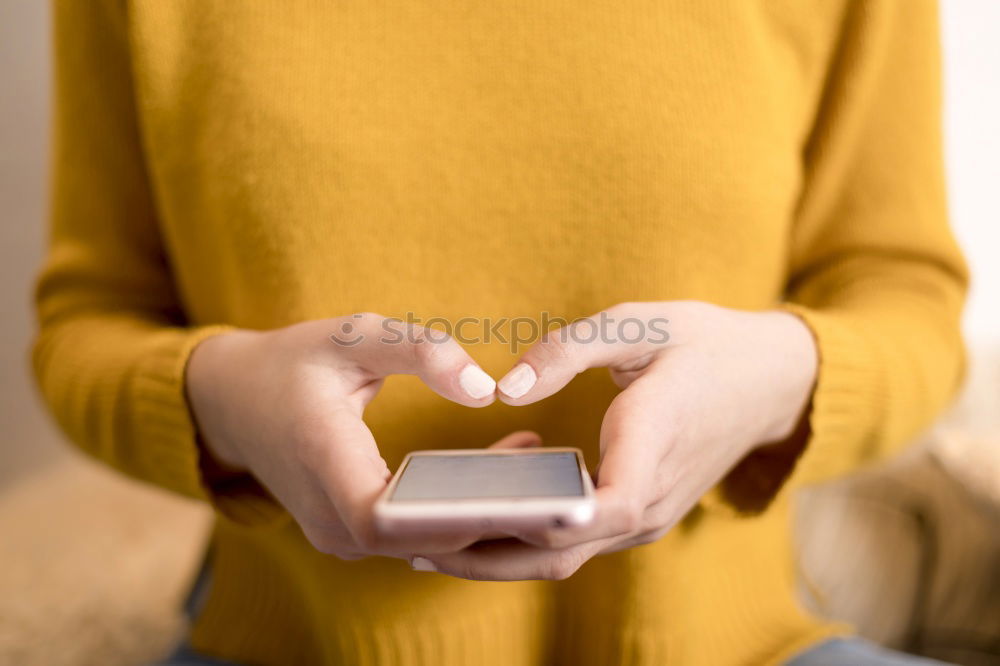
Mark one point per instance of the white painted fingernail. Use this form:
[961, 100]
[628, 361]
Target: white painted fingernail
[422, 564]
[475, 382]
[518, 381]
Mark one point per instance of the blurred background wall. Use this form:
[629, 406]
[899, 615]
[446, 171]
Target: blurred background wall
[972, 143]
[972, 60]
[28, 438]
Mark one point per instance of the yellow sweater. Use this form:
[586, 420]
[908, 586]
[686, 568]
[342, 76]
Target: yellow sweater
[254, 164]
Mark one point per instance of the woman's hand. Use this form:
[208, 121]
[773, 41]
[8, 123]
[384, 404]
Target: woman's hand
[693, 405]
[286, 405]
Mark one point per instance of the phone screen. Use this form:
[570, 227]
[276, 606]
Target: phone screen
[440, 477]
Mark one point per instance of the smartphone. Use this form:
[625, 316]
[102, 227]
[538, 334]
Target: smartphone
[497, 491]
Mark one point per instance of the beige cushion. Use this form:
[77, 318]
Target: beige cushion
[94, 567]
[909, 552]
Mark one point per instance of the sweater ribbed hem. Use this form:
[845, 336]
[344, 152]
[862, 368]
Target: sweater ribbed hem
[257, 613]
[849, 397]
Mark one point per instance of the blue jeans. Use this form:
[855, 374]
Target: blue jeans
[848, 651]
[834, 652]
[185, 656]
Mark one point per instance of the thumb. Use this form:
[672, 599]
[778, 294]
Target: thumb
[384, 346]
[620, 338]
[522, 439]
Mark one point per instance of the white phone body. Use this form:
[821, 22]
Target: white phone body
[526, 492]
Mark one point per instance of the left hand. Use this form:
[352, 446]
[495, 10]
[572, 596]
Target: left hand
[724, 383]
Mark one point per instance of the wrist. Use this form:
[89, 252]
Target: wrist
[208, 385]
[796, 357]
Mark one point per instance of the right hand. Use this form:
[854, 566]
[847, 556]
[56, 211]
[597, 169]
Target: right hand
[286, 405]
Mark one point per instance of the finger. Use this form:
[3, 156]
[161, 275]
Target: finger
[641, 539]
[383, 346]
[623, 337]
[352, 474]
[508, 559]
[628, 477]
[659, 519]
[605, 513]
[342, 454]
[634, 435]
[522, 439]
[612, 518]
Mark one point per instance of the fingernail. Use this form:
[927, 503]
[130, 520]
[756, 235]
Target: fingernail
[422, 564]
[518, 381]
[475, 382]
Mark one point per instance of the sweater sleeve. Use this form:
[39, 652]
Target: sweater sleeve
[112, 345]
[875, 272]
